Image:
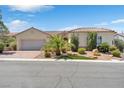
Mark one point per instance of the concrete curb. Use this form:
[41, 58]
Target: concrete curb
[54, 60]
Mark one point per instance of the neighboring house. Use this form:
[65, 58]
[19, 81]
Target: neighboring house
[119, 36]
[34, 39]
[12, 34]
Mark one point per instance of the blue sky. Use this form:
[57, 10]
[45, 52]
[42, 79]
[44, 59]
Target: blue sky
[63, 17]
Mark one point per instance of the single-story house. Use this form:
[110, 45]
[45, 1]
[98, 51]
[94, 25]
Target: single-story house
[34, 39]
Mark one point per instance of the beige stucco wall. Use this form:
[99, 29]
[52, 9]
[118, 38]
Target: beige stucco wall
[106, 37]
[82, 38]
[31, 34]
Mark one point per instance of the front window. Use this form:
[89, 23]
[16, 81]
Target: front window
[112, 42]
[99, 40]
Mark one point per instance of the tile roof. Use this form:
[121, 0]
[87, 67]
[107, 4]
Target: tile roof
[64, 33]
[53, 32]
[92, 29]
[34, 29]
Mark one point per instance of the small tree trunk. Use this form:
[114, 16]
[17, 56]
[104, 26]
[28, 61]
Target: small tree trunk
[1, 51]
[58, 53]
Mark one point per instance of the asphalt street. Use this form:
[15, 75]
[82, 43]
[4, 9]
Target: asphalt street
[61, 75]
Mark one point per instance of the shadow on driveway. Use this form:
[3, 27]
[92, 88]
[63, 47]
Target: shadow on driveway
[19, 54]
[8, 53]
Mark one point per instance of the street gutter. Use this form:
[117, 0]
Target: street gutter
[55, 60]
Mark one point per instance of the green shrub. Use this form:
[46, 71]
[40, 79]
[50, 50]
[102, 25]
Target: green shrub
[112, 48]
[116, 53]
[1, 47]
[46, 48]
[81, 50]
[119, 44]
[7, 40]
[13, 45]
[75, 42]
[47, 55]
[103, 47]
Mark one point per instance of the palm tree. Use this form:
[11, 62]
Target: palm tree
[57, 42]
[58, 45]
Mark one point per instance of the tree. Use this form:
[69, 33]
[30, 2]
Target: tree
[91, 40]
[3, 29]
[75, 42]
[57, 42]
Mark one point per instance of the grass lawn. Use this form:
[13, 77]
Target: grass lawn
[74, 57]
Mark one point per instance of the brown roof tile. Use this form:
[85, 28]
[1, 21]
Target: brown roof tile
[92, 29]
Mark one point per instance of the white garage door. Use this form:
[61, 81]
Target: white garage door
[32, 44]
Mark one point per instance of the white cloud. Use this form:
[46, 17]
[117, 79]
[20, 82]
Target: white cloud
[112, 22]
[102, 24]
[118, 21]
[30, 8]
[17, 25]
[70, 28]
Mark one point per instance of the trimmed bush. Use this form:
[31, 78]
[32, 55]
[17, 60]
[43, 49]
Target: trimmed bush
[81, 50]
[104, 47]
[1, 47]
[112, 48]
[116, 53]
[47, 55]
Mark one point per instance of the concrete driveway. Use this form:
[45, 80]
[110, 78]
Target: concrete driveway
[61, 74]
[20, 54]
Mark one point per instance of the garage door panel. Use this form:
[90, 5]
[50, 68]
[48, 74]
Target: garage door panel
[32, 44]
